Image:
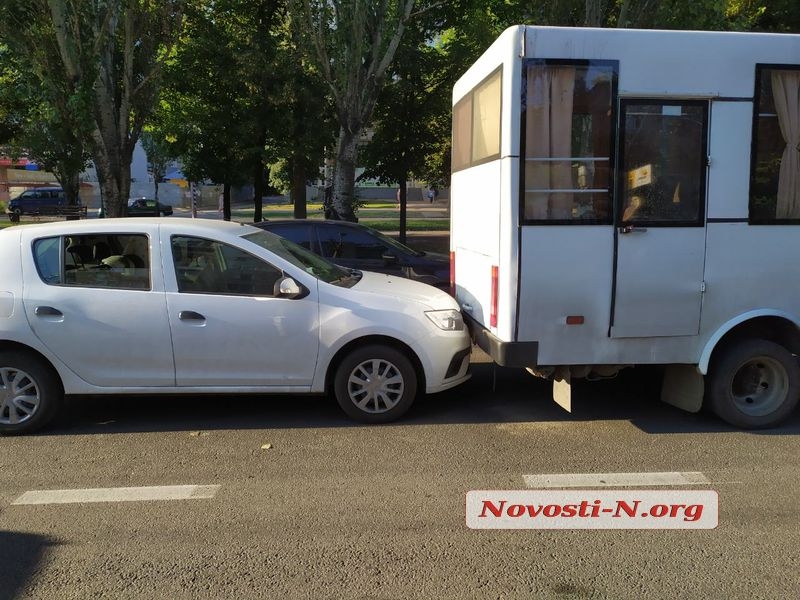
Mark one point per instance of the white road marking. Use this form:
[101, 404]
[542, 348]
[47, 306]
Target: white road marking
[595, 480]
[120, 494]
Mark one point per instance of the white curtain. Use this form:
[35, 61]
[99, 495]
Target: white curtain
[549, 135]
[786, 93]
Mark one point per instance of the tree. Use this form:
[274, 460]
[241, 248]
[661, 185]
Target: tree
[158, 155]
[354, 42]
[224, 103]
[47, 117]
[306, 127]
[406, 127]
[110, 54]
[780, 16]
[13, 97]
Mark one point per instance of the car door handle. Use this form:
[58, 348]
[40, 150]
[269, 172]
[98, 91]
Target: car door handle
[190, 315]
[47, 311]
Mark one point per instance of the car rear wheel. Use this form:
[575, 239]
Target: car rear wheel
[375, 384]
[30, 395]
[754, 384]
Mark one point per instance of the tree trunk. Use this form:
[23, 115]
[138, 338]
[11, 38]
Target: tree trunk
[71, 184]
[345, 176]
[299, 187]
[595, 13]
[226, 200]
[258, 192]
[115, 183]
[259, 185]
[403, 208]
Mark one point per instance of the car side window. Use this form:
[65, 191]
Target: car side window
[350, 243]
[205, 266]
[114, 261]
[46, 255]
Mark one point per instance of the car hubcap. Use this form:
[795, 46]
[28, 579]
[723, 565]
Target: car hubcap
[759, 386]
[375, 386]
[19, 396]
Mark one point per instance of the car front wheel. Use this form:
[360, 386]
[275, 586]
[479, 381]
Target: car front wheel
[375, 384]
[30, 395]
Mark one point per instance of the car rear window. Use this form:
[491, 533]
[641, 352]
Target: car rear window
[300, 234]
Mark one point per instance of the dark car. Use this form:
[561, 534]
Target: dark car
[146, 207]
[30, 202]
[359, 247]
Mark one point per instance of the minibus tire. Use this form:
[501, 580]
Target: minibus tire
[355, 382]
[754, 384]
[37, 390]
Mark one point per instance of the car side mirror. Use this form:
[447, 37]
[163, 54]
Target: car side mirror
[286, 287]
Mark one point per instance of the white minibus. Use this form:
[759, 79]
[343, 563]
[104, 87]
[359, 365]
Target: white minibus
[627, 197]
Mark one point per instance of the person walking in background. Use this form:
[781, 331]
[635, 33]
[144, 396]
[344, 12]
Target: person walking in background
[431, 195]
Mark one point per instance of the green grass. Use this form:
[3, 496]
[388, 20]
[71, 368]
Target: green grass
[411, 224]
[380, 216]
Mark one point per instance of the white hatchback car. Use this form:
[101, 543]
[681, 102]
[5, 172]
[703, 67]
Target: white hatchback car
[162, 306]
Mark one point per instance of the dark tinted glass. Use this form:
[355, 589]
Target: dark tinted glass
[301, 235]
[349, 243]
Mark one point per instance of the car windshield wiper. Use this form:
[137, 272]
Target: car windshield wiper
[353, 274]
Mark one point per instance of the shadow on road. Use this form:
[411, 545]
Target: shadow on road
[22, 555]
[493, 395]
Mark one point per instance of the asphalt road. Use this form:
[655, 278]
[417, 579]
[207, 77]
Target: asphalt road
[310, 505]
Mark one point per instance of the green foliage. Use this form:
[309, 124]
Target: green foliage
[780, 16]
[352, 42]
[405, 117]
[92, 70]
[43, 112]
[246, 87]
[240, 95]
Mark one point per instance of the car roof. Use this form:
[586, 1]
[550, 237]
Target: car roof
[314, 221]
[199, 227]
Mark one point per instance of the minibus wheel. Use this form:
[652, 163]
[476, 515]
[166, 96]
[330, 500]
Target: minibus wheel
[30, 394]
[375, 384]
[754, 384]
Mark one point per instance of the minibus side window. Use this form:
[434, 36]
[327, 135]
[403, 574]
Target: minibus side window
[775, 167]
[476, 124]
[567, 142]
[663, 160]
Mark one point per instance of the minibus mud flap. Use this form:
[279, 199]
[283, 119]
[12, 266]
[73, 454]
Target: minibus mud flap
[562, 392]
[683, 386]
[562, 382]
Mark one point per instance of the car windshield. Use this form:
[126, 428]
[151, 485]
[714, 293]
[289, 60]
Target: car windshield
[302, 258]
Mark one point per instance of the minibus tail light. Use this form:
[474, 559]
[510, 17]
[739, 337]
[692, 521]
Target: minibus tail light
[453, 273]
[493, 307]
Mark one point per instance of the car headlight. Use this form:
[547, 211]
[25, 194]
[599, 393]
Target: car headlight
[449, 320]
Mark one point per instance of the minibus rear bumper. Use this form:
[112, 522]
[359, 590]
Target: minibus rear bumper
[505, 354]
